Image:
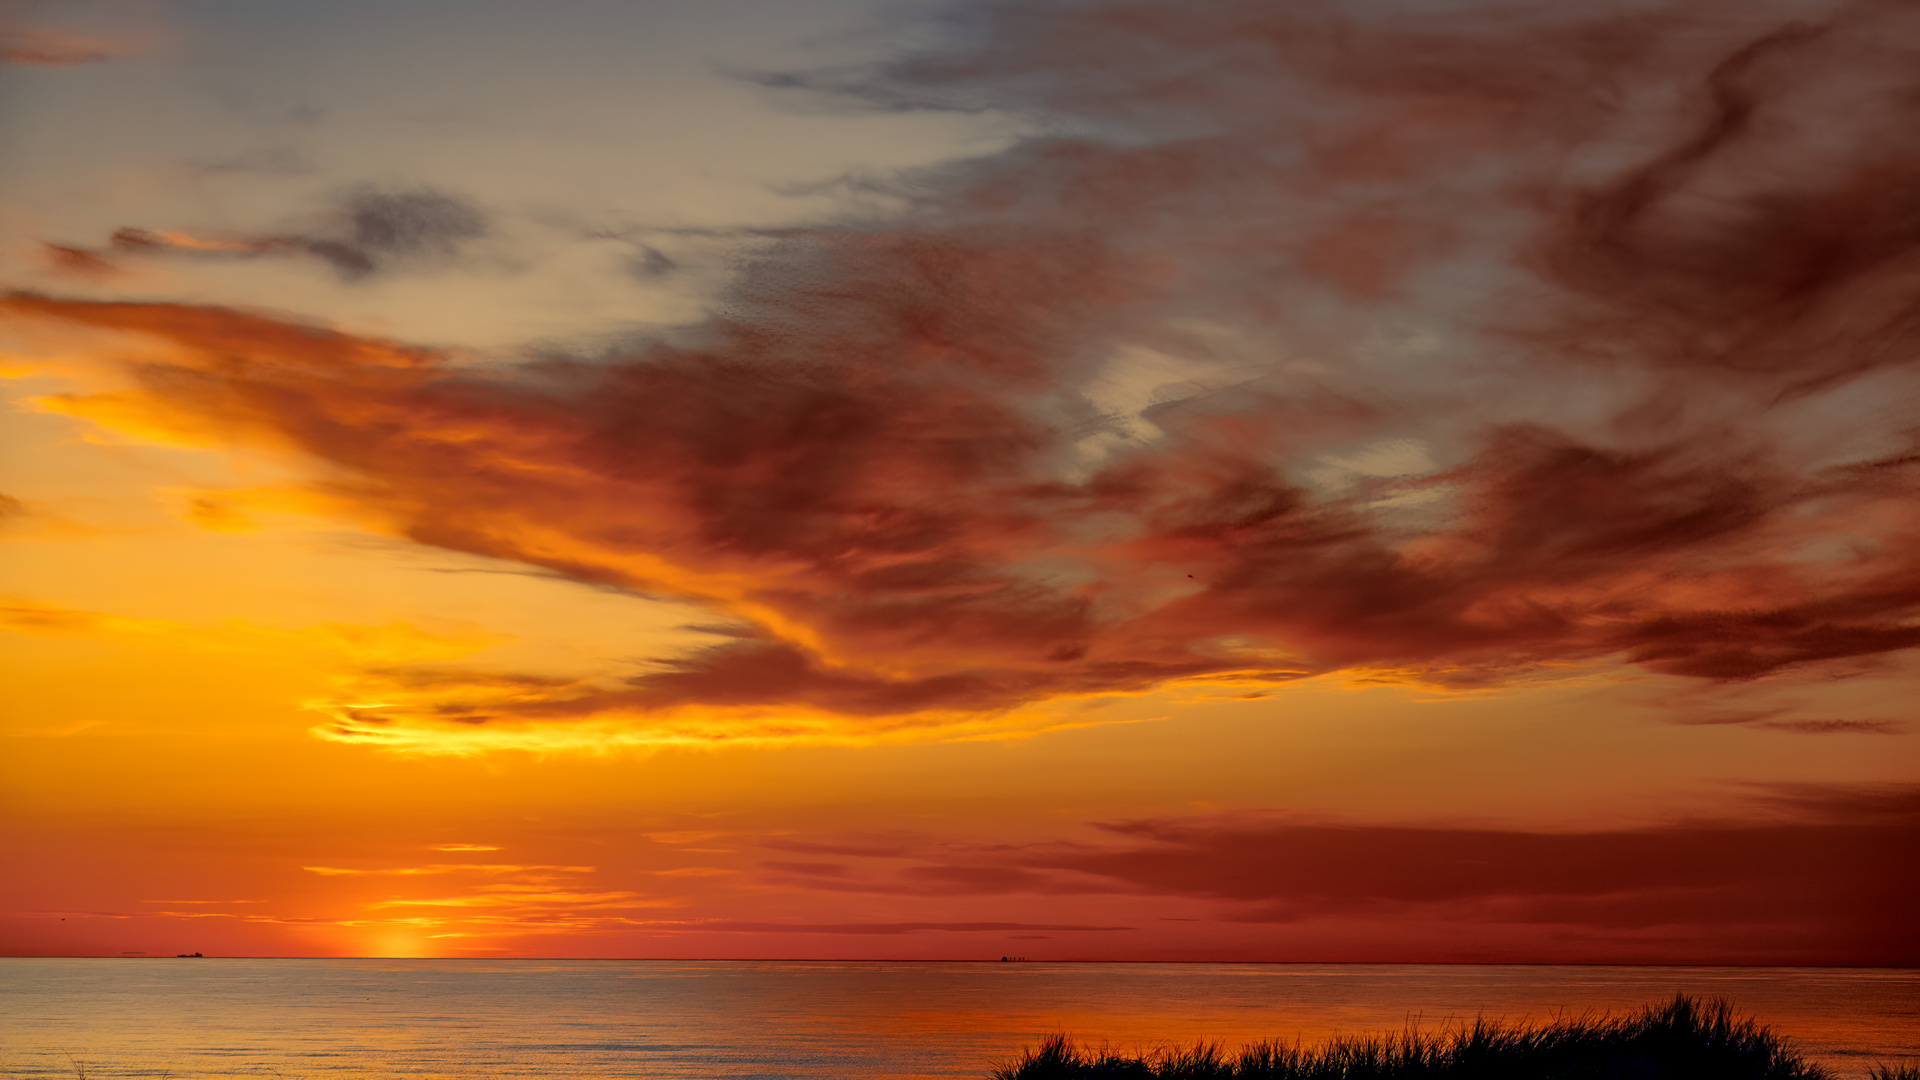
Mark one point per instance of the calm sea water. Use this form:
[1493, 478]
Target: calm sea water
[585, 1020]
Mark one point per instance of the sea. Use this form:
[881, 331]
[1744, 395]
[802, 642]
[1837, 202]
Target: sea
[285, 1019]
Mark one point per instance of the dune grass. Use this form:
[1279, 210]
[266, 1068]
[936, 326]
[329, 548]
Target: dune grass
[1685, 1039]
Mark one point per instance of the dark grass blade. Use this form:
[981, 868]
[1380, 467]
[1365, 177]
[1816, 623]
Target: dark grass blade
[1685, 1039]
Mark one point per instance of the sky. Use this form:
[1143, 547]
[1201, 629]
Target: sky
[1381, 480]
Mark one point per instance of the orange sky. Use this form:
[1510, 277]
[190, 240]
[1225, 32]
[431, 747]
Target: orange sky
[1080, 481]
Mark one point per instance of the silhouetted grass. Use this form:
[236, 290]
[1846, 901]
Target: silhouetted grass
[1684, 1039]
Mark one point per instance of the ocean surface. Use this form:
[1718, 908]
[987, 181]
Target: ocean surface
[585, 1020]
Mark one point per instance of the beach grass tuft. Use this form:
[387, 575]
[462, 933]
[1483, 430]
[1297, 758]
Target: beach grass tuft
[1684, 1039]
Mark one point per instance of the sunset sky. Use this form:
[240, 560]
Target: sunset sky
[1371, 480]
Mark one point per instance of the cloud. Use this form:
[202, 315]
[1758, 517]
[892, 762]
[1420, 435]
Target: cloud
[354, 644]
[78, 262]
[368, 230]
[1835, 727]
[1821, 891]
[1313, 339]
[1842, 804]
[57, 46]
[1820, 875]
[1776, 720]
[508, 899]
[1303, 867]
[455, 868]
[808, 869]
[729, 926]
[522, 900]
[1796, 874]
[878, 850]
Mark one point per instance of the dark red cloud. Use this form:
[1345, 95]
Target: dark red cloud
[875, 850]
[1779, 236]
[728, 926]
[1455, 346]
[77, 262]
[808, 869]
[1831, 880]
[1775, 720]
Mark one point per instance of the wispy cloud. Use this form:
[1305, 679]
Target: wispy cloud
[1815, 876]
[1775, 720]
[350, 650]
[447, 868]
[368, 230]
[731, 926]
[519, 899]
[1444, 349]
[28, 37]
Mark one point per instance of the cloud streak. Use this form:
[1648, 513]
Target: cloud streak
[1460, 349]
[367, 231]
[1818, 876]
[734, 926]
[23, 42]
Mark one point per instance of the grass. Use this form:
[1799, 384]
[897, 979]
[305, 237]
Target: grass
[1685, 1039]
